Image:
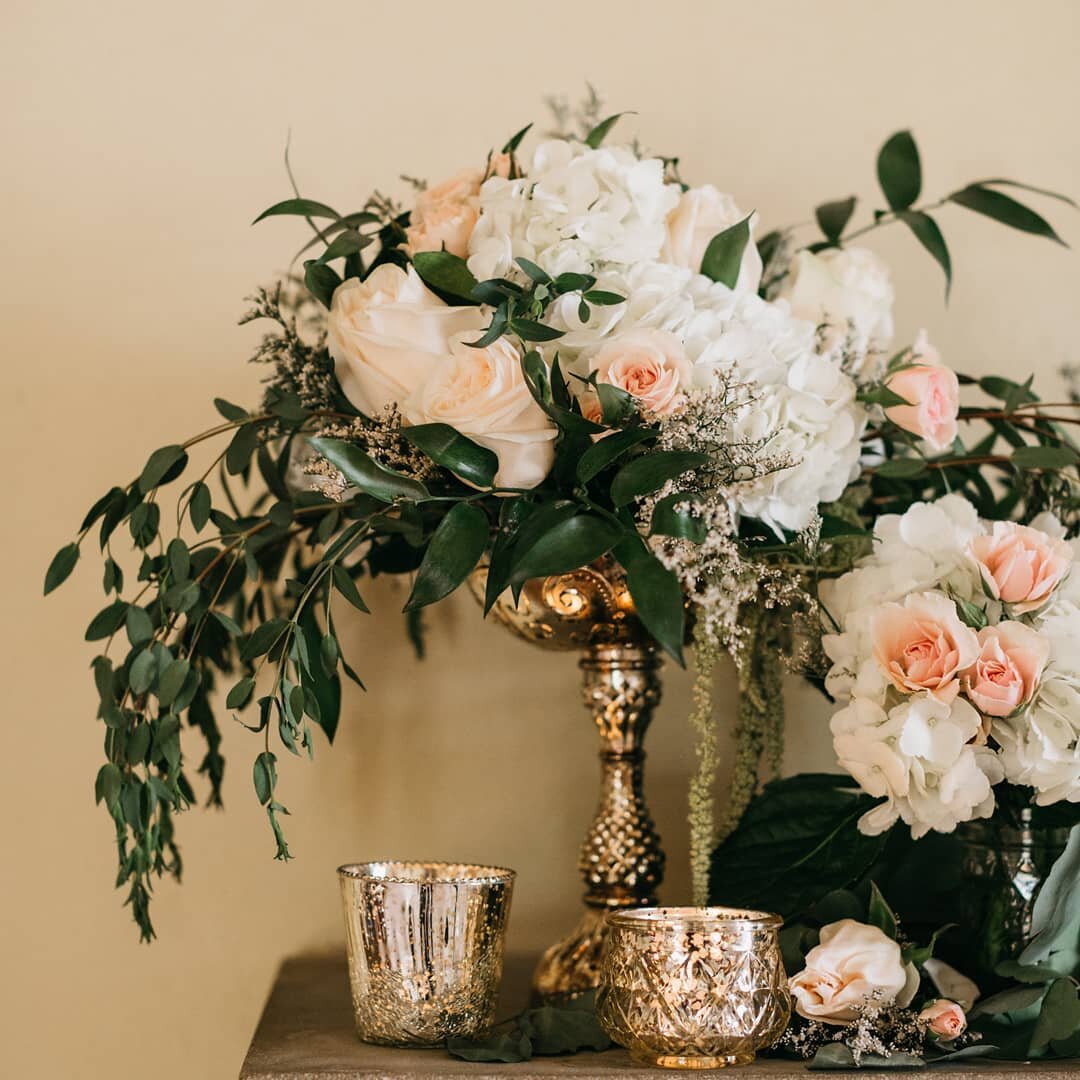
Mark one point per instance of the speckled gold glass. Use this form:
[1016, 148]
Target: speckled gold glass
[425, 944]
[693, 988]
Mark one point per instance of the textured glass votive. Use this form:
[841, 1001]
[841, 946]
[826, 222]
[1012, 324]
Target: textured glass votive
[693, 988]
[425, 942]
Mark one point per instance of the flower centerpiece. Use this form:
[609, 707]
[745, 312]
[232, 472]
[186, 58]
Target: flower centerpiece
[569, 354]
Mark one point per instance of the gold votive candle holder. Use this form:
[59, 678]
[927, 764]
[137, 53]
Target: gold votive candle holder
[693, 988]
[425, 944]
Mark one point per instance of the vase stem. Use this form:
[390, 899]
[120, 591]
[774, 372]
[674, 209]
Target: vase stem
[621, 860]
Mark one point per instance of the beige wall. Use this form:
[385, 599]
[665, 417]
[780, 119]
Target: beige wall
[137, 141]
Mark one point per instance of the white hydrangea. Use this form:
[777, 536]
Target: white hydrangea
[577, 210]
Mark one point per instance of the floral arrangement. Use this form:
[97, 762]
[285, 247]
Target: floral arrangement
[572, 354]
[956, 661]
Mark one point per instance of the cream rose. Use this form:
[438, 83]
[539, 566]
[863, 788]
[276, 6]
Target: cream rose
[703, 212]
[921, 644]
[1021, 566]
[1006, 673]
[482, 393]
[649, 364]
[385, 334]
[445, 215]
[933, 392]
[944, 1018]
[852, 963]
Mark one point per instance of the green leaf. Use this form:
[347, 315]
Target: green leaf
[322, 689]
[833, 217]
[199, 506]
[1055, 917]
[454, 550]
[240, 449]
[63, 562]
[265, 776]
[1027, 187]
[344, 583]
[508, 1046]
[1044, 457]
[446, 272]
[971, 614]
[673, 515]
[1014, 999]
[534, 272]
[600, 132]
[835, 1055]
[142, 673]
[1004, 209]
[262, 639]
[883, 396]
[565, 1028]
[321, 281]
[645, 474]
[798, 841]
[657, 595]
[240, 694]
[140, 628]
[600, 298]
[1006, 390]
[880, 914]
[571, 543]
[172, 681]
[299, 207]
[347, 242]
[1059, 1017]
[107, 786]
[901, 468]
[511, 144]
[606, 450]
[929, 235]
[446, 446]
[233, 413]
[179, 558]
[723, 257]
[616, 405]
[144, 522]
[899, 171]
[107, 621]
[530, 330]
[367, 475]
[329, 653]
[163, 465]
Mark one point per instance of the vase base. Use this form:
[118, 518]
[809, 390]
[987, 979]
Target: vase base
[691, 1061]
[571, 966]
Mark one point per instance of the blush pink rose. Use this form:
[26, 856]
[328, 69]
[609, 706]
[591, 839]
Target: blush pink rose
[1010, 663]
[652, 365]
[445, 215]
[921, 644]
[944, 1018]
[933, 391]
[1021, 566]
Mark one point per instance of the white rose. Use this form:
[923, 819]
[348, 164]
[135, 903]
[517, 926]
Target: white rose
[848, 292]
[385, 334]
[482, 394]
[854, 963]
[701, 214]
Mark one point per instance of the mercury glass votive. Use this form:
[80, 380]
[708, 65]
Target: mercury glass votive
[425, 943]
[693, 988]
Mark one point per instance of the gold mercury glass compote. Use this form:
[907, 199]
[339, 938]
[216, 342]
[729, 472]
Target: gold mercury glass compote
[590, 610]
[693, 988]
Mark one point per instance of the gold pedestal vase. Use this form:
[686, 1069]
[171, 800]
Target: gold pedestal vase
[621, 861]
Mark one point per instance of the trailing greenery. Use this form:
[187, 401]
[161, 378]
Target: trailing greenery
[250, 537]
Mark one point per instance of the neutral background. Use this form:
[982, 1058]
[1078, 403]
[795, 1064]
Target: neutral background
[137, 142]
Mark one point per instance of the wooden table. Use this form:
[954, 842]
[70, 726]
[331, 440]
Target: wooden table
[306, 1033]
